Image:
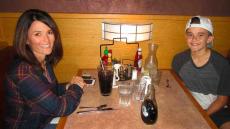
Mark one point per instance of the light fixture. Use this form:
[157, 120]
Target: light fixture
[133, 32]
[129, 33]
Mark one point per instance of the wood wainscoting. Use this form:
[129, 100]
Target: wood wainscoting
[81, 36]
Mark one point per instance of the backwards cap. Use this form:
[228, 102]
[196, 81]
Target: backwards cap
[204, 23]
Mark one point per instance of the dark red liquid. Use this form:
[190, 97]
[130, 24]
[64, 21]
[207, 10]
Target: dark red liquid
[149, 111]
[105, 82]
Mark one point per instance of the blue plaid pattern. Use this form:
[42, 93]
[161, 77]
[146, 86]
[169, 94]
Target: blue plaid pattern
[32, 101]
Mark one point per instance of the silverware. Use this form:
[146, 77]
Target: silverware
[100, 109]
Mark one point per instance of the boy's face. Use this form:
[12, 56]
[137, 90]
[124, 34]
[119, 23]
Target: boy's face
[197, 38]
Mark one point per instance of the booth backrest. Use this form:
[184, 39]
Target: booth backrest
[228, 57]
[6, 56]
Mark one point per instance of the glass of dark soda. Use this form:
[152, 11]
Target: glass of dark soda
[105, 76]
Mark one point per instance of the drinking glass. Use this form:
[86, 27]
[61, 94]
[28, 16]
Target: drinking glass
[125, 94]
[139, 91]
[105, 76]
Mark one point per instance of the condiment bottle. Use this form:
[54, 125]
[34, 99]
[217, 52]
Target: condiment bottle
[138, 60]
[105, 56]
[149, 111]
[110, 57]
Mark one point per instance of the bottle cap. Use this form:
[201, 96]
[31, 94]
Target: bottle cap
[139, 49]
[106, 51]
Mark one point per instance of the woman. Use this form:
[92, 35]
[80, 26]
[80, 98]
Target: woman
[204, 71]
[33, 96]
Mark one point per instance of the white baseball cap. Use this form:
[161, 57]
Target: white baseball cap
[203, 22]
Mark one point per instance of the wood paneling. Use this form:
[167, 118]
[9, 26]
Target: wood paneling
[1, 33]
[81, 36]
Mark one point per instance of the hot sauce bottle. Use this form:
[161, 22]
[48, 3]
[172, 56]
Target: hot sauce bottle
[138, 60]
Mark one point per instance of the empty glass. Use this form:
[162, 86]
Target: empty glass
[139, 91]
[125, 94]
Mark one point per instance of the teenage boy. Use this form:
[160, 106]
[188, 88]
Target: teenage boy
[204, 71]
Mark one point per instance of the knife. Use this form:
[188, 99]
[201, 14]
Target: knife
[103, 109]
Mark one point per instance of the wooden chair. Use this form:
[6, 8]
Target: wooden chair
[6, 56]
[228, 57]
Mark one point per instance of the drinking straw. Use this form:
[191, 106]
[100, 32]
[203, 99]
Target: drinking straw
[102, 65]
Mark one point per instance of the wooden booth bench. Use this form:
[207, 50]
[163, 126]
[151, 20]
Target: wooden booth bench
[6, 56]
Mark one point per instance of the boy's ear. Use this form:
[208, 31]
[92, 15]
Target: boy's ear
[210, 39]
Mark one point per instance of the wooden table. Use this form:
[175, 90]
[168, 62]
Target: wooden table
[177, 109]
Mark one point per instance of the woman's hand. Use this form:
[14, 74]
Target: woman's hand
[77, 80]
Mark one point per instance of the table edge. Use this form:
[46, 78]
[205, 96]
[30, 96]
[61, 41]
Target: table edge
[62, 121]
[195, 103]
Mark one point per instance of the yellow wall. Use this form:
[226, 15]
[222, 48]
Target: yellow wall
[81, 36]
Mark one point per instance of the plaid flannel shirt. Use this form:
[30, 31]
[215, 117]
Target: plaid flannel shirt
[32, 101]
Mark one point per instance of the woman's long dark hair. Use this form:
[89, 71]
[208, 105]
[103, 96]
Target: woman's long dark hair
[21, 34]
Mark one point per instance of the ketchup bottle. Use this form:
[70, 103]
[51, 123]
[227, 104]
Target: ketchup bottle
[138, 60]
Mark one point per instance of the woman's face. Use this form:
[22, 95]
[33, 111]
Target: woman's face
[197, 39]
[40, 39]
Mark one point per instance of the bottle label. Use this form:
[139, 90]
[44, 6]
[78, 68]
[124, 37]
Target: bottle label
[145, 82]
[139, 63]
[139, 52]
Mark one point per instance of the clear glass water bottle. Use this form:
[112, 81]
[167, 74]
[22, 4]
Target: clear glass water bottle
[151, 64]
